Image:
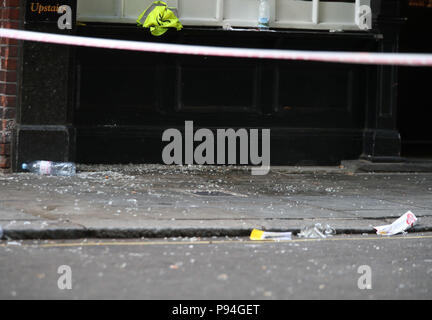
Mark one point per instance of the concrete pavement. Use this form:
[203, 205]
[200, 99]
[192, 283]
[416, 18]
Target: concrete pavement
[132, 201]
[219, 268]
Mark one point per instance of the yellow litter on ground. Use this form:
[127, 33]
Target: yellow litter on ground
[265, 235]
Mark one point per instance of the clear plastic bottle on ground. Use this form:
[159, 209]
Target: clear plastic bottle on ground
[264, 15]
[317, 231]
[51, 168]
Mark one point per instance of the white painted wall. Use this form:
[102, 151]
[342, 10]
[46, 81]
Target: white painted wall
[238, 13]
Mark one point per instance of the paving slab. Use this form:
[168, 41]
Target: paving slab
[155, 200]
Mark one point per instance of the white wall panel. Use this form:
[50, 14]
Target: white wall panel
[196, 10]
[293, 10]
[237, 13]
[240, 10]
[98, 8]
[337, 12]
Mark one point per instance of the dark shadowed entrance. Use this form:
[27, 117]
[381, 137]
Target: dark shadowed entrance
[415, 101]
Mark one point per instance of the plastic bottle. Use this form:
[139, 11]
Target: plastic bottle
[317, 231]
[66, 169]
[264, 15]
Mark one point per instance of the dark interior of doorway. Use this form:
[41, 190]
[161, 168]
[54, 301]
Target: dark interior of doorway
[415, 86]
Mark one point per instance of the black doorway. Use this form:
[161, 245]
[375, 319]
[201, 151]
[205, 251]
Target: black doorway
[415, 102]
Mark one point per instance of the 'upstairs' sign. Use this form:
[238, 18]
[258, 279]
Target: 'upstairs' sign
[48, 11]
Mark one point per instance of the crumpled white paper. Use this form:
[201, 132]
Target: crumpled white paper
[403, 223]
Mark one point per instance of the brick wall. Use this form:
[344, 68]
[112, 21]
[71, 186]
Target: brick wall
[9, 49]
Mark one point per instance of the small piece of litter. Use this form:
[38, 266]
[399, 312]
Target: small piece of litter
[406, 221]
[264, 235]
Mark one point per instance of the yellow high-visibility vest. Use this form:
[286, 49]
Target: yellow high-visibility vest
[159, 18]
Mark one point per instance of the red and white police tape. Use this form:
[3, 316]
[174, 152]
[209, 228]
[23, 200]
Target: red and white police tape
[401, 59]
